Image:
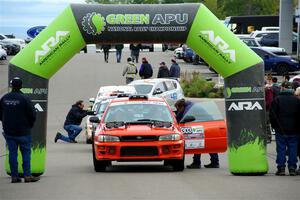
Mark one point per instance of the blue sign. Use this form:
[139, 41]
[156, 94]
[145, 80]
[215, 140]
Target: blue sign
[34, 31]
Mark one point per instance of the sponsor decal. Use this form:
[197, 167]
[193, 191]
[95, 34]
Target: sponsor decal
[38, 107]
[240, 90]
[194, 137]
[51, 46]
[246, 105]
[218, 45]
[38, 91]
[194, 144]
[95, 23]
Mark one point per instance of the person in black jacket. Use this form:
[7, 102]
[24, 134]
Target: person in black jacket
[106, 48]
[174, 69]
[18, 116]
[146, 70]
[135, 52]
[284, 117]
[163, 71]
[72, 123]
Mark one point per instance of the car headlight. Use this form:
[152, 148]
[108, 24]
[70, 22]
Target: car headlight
[294, 61]
[108, 138]
[170, 137]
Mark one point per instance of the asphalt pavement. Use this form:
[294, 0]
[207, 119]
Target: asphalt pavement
[69, 168]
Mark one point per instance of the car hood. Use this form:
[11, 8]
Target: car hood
[133, 130]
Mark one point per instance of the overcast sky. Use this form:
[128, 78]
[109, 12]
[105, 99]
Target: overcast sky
[17, 16]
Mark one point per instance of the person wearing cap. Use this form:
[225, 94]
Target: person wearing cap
[284, 117]
[18, 117]
[146, 70]
[163, 71]
[174, 70]
[72, 123]
[130, 71]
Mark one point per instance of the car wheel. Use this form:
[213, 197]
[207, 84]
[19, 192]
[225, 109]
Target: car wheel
[178, 165]
[99, 166]
[282, 69]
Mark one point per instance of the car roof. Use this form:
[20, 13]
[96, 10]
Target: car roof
[126, 99]
[151, 81]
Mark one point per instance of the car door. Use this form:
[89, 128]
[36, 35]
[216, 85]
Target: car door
[171, 94]
[207, 133]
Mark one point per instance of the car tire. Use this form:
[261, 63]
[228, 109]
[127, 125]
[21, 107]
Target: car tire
[178, 165]
[282, 69]
[99, 166]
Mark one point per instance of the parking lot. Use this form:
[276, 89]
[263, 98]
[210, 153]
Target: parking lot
[69, 169]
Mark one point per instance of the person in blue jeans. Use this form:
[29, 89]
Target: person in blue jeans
[18, 117]
[72, 123]
[285, 118]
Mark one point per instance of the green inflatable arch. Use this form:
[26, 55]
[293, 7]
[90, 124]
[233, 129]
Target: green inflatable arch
[194, 24]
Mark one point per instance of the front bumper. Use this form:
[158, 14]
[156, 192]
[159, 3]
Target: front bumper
[139, 151]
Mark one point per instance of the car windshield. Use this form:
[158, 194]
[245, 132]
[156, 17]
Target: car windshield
[138, 112]
[143, 88]
[102, 107]
[204, 111]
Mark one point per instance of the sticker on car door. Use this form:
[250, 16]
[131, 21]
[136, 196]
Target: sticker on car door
[194, 137]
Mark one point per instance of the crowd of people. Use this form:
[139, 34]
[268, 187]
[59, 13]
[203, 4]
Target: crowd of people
[283, 116]
[146, 71]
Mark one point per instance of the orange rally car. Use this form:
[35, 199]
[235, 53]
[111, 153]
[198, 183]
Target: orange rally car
[139, 128]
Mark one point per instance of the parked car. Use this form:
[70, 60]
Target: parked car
[253, 42]
[18, 41]
[168, 89]
[11, 48]
[3, 53]
[169, 46]
[150, 47]
[275, 63]
[271, 38]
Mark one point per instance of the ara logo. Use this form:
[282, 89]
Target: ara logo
[38, 108]
[219, 43]
[247, 105]
[50, 45]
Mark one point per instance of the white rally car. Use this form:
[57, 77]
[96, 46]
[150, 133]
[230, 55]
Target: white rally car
[169, 89]
[106, 91]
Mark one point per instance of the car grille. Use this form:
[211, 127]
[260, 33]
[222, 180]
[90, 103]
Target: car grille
[138, 138]
[138, 151]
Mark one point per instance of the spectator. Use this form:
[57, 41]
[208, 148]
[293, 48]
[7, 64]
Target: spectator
[174, 69]
[269, 96]
[130, 71]
[183, 107]
[18, 116]
[275, 87]
[135, 52]
[146, 70]
[286, 78]
[284, 117]
[72, 123]
[106, 49]
[163, 71]
[119, 48]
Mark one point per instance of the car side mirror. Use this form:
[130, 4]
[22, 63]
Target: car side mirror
[92, 100]
[188, 118]
[94, 120]
[267, 56]
[157, 91]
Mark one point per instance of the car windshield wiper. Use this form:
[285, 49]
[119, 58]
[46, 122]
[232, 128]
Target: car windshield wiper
[115, 124]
